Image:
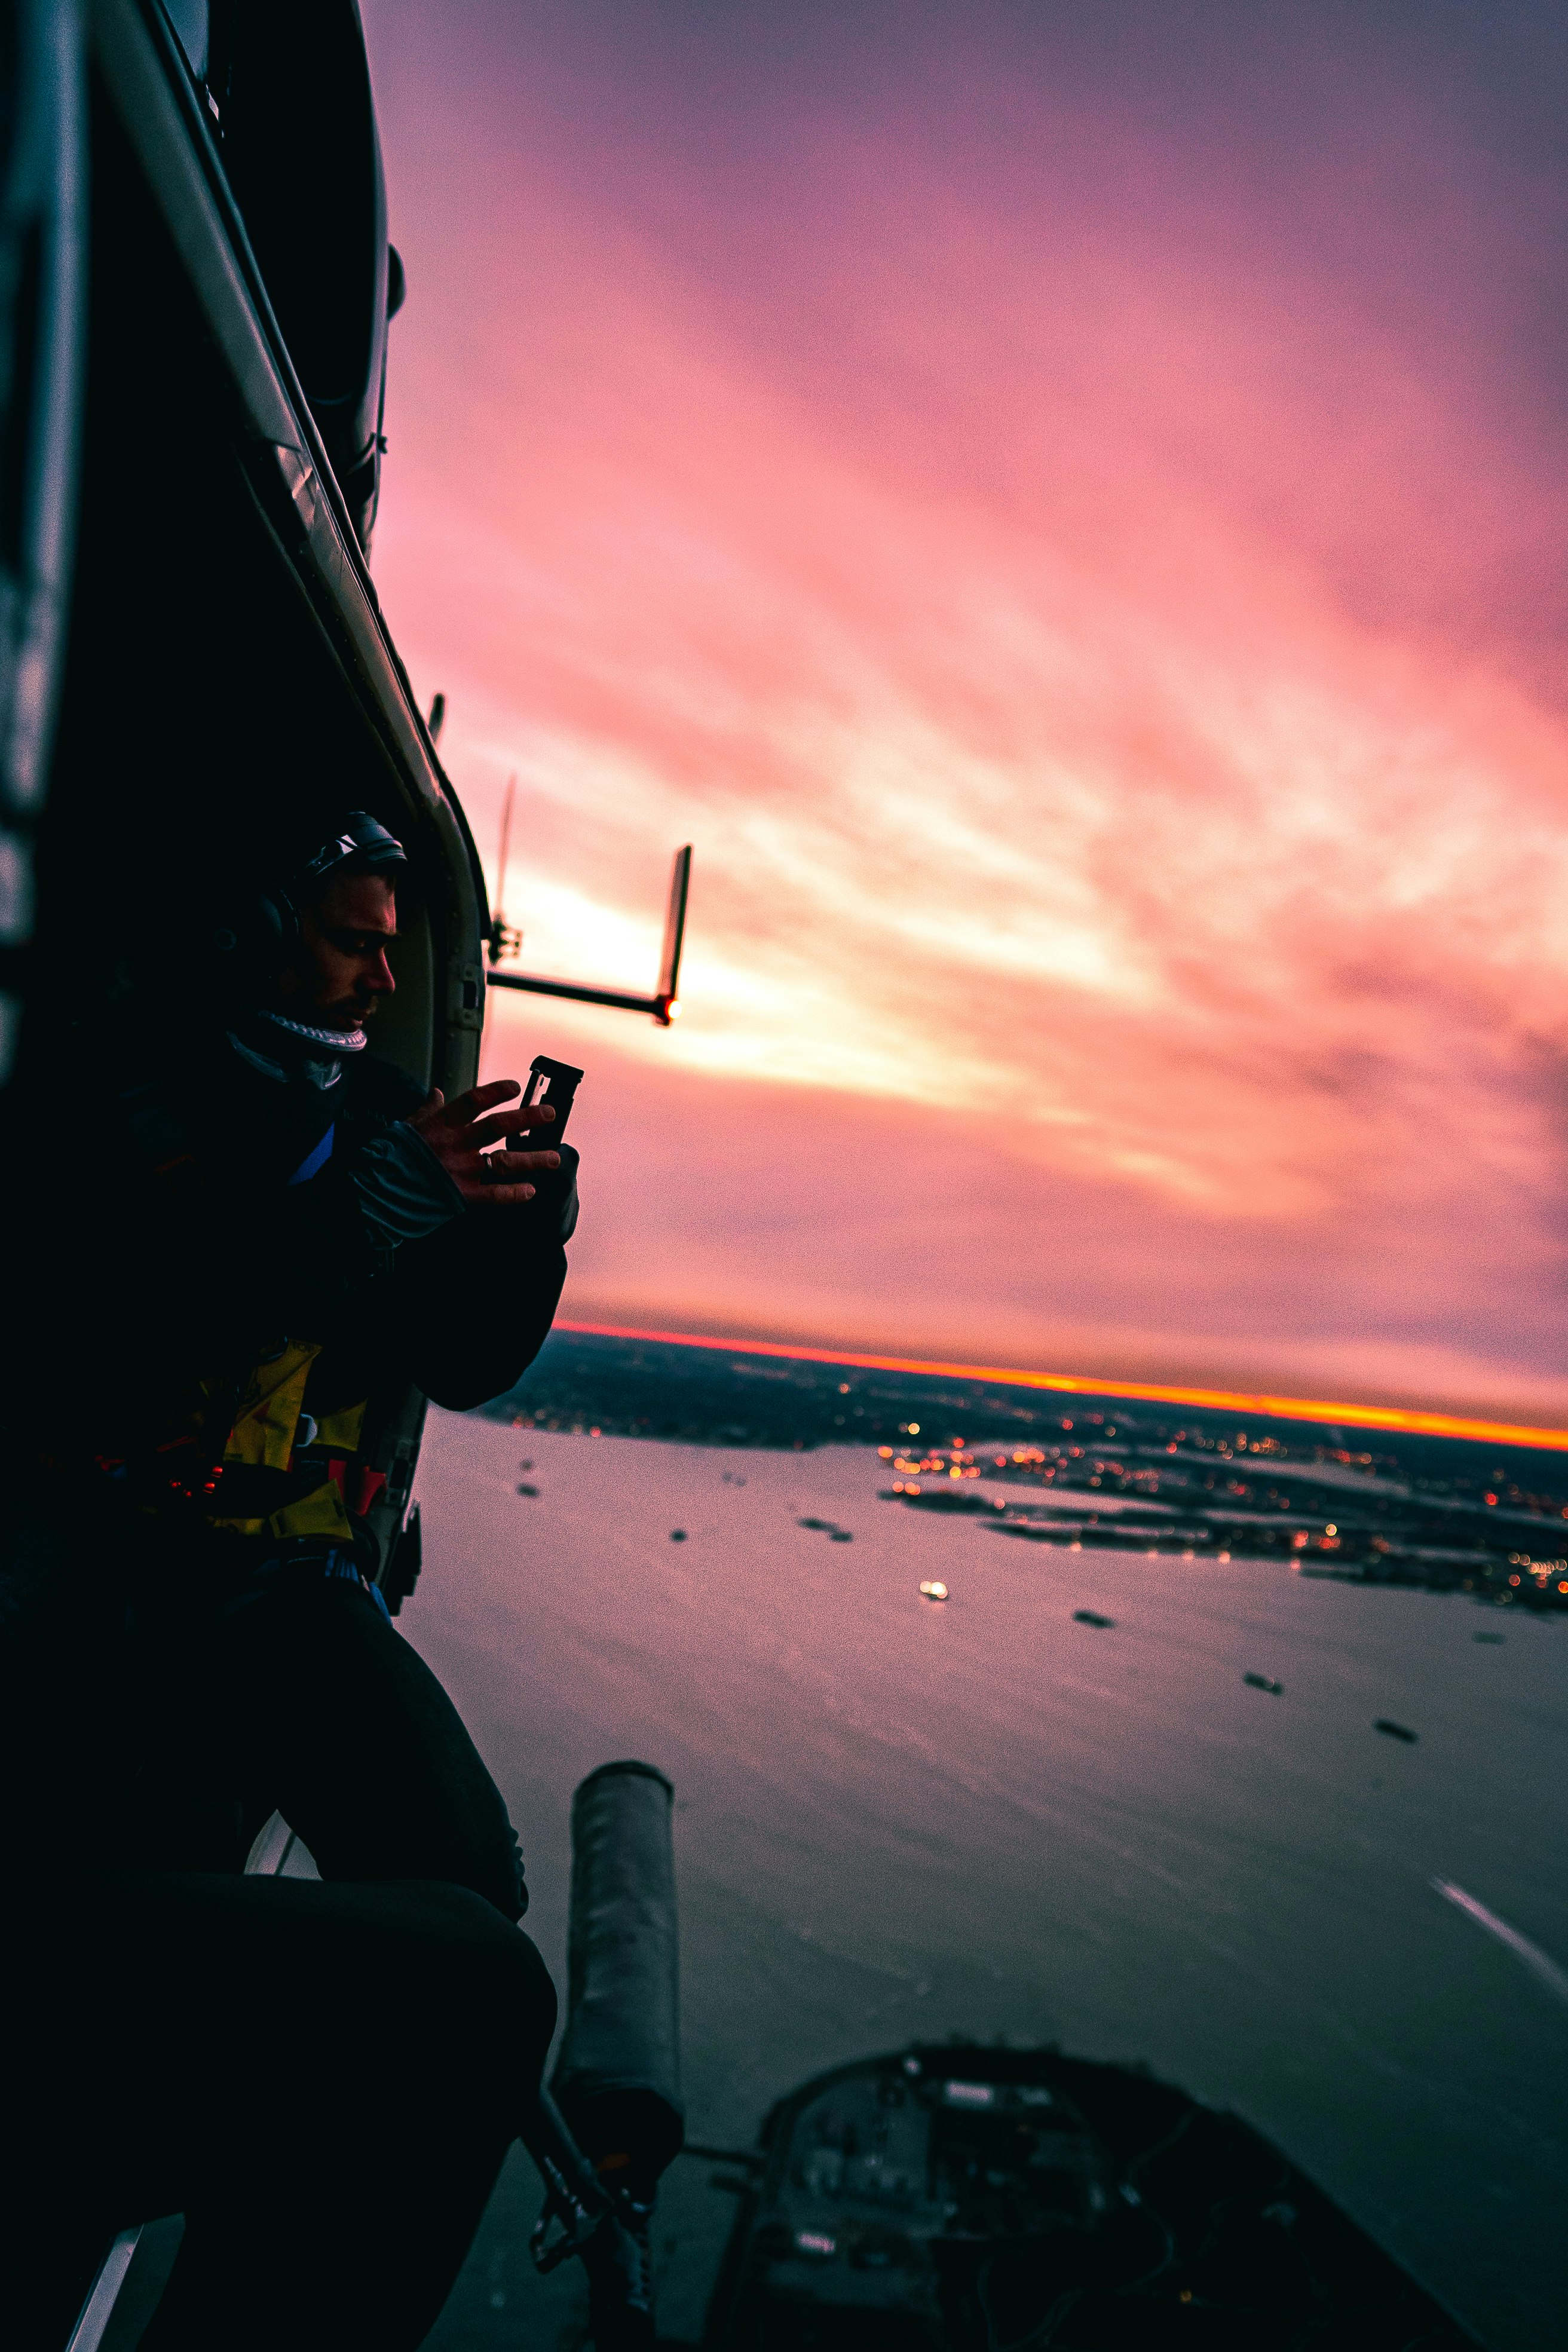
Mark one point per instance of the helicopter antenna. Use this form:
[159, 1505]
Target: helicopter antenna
[504, 941]
[663, 1004]
[674, 936]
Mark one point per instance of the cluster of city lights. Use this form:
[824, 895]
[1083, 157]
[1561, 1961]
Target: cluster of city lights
[1543, 1570]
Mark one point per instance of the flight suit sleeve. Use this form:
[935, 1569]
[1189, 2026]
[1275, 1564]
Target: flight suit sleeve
[466, 1310]
[319, 1244]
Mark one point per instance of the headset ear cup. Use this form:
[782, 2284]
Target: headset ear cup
[252, 940]
[279, 918]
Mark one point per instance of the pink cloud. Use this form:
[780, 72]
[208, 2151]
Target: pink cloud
[1092, 631]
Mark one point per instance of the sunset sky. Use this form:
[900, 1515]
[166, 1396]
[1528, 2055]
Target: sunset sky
[1065, 508]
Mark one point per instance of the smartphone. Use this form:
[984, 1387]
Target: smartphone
[554, 1083]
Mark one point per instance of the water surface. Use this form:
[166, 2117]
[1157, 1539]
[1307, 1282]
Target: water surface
[900, 1818]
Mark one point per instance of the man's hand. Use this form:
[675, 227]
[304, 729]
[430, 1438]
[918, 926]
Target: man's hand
[458, 1132]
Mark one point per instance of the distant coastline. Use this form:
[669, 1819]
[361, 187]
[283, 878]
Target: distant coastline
[1415, 1421]
[1097, 1469]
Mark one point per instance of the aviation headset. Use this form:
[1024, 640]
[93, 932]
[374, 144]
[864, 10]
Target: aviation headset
[270, 923]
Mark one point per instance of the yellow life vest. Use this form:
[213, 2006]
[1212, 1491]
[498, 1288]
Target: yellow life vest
[264, 1434]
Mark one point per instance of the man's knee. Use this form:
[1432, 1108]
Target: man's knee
[490, 1992]
[510, 1976]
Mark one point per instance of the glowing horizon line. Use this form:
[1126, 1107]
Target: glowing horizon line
[1278, 1408]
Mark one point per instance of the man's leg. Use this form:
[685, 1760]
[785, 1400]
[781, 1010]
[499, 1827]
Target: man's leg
[324, 2078]
[316, 1705]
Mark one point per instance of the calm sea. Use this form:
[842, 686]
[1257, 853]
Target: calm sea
[899, 1818]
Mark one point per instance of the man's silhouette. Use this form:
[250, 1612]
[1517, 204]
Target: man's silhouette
[260, 1237]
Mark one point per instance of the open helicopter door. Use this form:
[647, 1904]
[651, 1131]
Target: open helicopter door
[191, 648]
[207, 669]
[213, 672]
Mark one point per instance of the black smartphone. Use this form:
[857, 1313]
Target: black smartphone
[554, 1083]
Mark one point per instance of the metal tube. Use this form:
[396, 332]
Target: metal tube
[655, 1006]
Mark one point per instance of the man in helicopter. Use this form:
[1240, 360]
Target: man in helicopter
[271, 1232]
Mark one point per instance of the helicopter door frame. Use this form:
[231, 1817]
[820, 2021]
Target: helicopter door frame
[145, 77]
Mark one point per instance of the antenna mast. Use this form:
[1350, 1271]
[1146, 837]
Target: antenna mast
[504, 941]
